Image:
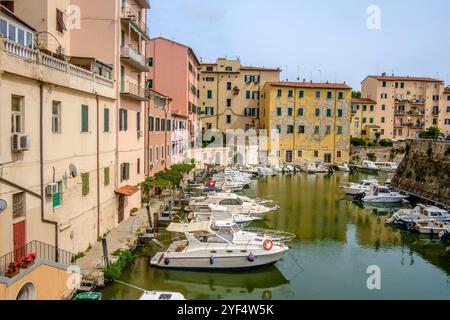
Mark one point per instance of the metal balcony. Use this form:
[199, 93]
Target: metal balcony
[134, 58]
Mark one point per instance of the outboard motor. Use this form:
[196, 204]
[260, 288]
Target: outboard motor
[359, 196]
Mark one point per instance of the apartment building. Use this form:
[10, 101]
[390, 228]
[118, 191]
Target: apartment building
[57, 149]
[174, 73]
[117, 35]
[444, 114]
[405, 105]
[159, 132]
[230, 94]
[363, 119]
[312, 120]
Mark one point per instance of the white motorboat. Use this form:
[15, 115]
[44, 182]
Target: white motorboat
[379, 194]
[356, 188]
[431, 227]
[368, 167]
[241, 220]
[266, 171]
[320, 167]
[420, 213]
[387, 166]
[308, 167]
[218, 246]
[344, 167]
[161, 295]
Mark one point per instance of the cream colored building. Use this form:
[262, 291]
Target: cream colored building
[363, 119]
[405, 105]
[230, 94]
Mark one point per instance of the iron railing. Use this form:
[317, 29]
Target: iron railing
[42, 251]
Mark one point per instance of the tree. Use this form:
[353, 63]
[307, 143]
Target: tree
[356, 94]
[431, 133]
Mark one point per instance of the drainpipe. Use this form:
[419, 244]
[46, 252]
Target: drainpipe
[166, 106]
[41, 166]
[97, 98]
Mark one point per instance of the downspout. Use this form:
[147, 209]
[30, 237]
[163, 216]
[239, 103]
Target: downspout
[166, 105]
[41, 166]
[98, 164]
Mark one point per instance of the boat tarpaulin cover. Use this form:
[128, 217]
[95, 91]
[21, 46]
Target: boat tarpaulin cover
[189, 227]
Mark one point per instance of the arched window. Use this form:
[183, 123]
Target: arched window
[27, 292]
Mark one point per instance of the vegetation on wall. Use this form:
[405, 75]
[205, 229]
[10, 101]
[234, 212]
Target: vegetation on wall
[115, 269]
[431, 133]
[371, 157]
[356, 94]
[358, 142]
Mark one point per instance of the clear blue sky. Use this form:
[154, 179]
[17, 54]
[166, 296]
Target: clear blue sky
[305, 36]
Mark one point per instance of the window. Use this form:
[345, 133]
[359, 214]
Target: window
[150, 62]
[21, 36]
[18, 205]
[382, 119]
[228, 119]
[151, 124]
[228, 103]
[384, 84]
[300, 112]
[383, 107]
[339, 130]
[157, 124]
[150, 84]
[371, 120]
[340, 95]
[56, 116]
[364, 120]
[340, 113]
[280, 92]
[248, 94]
[17, 114]
[316, 130]
[290, 129]
[150, 155]
[229, 69]
[402, 85]
[209, 68]
[168, 125]
[290, 112]
[84, 118]
[123, 120]
[278, 128]
[290, 93]
[228, 85]
[299, 153]
[138, 121]
[301, 94]
[328, 131]
[255, 95]
[316, 154]
[85, 184]
[317, 94]
[106, 120]
[317, 112]
[209, 94]
[339, 154]
[3, 28]
[279, 111]
[138, 166]
[301, 129]
[372, 108]
[124, 171]
[447, 122]
[12, 33]
[329, 95]
[106, 178]
[364, 108]
[209, 111]
[57, 197]
[329, 113]
[60, 26]
[448, 97]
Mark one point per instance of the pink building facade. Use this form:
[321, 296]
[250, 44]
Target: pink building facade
[174, 70]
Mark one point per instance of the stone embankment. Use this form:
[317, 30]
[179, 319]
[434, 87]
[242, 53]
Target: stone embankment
[425, 171]
[378, 154]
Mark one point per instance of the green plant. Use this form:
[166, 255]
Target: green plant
[371, 157]
[431, 133]
[372, 144]
[386, 143]
[357, 142]
[115, 269]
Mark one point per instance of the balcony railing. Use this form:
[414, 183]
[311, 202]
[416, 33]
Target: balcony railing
[134, 17]
[134, 91]
[38, 57]
[136, 59]
[42, 251]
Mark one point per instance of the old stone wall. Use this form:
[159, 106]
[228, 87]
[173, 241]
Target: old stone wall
[378, 154]
[425, 171]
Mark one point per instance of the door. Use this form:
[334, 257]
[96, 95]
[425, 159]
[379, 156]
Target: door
[327, 158]
[289, 156]
[121, 208]
[19, 240]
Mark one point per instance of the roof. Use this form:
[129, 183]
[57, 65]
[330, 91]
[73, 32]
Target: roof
[403, 78]
[447, 90]
[315, 85]
[180, 44]
[190, 227]
[13, 16]
[247, 67]
[175, 114]
[127, 190]
[158, 94]
[363, 101]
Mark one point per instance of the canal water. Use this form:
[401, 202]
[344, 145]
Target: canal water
[336, 241]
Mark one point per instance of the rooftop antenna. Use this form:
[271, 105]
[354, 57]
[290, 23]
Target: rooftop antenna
[378, 70]
[320, 72]
[335, 77]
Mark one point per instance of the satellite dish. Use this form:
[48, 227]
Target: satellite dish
[72, 171]
[3, 205]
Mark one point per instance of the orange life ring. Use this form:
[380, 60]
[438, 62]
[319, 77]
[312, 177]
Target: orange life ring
[268, 244]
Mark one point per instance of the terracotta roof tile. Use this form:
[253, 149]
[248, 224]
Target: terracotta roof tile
[310, 85]
[403, 78]
[363, 101]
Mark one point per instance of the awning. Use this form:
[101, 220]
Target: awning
[127, 190]
[189, 227]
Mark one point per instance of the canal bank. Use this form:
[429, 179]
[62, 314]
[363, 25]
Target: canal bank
[336, 241]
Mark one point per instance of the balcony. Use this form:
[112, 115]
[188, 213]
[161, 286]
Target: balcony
[134, 58]
[134, 91]
[399, 112]
[133, 17]
[42, 251]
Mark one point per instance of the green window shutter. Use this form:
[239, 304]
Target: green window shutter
[57, 197]
[106, 176]
[280, 92]
[300, 112]
[209, 94]
[340, 113]
[84, 183]
[290, 112]
[339, 130]
[163, 125]
[151, 124]
[247, 94]
[279, 111]
[328, 113]
[301, 94]
[84, 118]
[168, 125]
[125, 120]
[106, 120]
[316, 130]
[317, 112]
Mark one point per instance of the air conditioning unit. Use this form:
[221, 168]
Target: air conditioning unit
[140, 134]
[51, 189]
[20, 142]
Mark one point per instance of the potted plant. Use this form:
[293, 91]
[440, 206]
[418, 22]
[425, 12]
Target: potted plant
[13, 269]
[28, 261]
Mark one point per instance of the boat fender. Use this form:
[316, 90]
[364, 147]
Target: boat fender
[166, 261]
[268, 244]
[211, 260]
[251, 257]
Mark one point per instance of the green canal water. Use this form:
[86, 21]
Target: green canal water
[336, 241]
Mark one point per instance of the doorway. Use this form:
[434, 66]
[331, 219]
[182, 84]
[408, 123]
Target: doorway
[19, 240]
[121, 208]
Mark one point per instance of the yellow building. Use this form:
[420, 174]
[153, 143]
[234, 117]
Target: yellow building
[229, 94]
[363, 120]
[313, 120]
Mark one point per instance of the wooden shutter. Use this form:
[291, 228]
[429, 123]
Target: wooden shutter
[84, 118]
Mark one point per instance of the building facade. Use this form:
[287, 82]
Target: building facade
[230, 94]
[405, 105]
[174, 73]
[363, 119]
[444, 114]
[312, 120]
